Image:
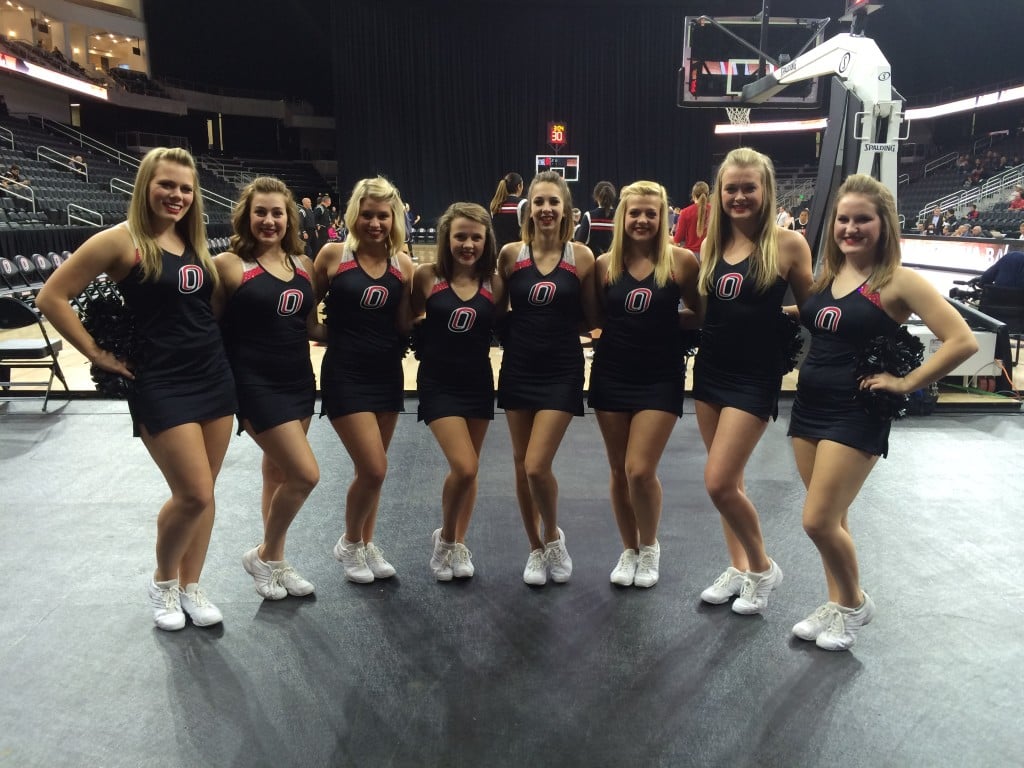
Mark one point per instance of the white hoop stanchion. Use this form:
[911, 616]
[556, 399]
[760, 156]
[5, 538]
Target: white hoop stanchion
[738, 115]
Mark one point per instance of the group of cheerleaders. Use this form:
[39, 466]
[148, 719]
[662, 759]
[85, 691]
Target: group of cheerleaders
[227, 335]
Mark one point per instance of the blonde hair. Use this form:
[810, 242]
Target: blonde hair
[566, 226]
[507, 186]
[242, 243]
[764, 262]
[190, 228]
[382, 191]
[699, 195]
[888, 252]
[663, 246]
[484, 267]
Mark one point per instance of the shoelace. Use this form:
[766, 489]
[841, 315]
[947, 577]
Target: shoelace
[626, 560]
[836, 623]
[277, 574]
[198, 598]
[645, 561]
[171, 598]
[554, 555]
[749, 589]
[823, 613]
[460, 555]
[375, 554]
[723, 581]
[536, 561]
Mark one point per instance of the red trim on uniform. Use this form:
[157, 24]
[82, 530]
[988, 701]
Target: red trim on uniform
[487, 294]
[249, 274]
[302, 273]
[508, 208]
[396, 272]
[874, 297]
[439, 286]
[521, 264]
[603, 224]
[567, 267]
[345, 266]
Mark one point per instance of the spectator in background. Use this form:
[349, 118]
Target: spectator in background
[804, 217]
[13, 174]
[1017, 198]
[935, 222]
[324, 216]
[784, 218]
[951, 219]
[507, 209]
[692, 227]
[77, 164]
[410, 222]
[973, 215]
[307, 226]
[1007, 272]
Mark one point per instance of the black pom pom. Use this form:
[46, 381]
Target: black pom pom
[416, 340]
[898, 355]
[112, 325]
[791, 341]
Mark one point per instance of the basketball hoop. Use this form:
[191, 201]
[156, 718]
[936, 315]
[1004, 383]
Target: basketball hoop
[738, 115]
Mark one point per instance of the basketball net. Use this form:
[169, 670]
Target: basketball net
[738, 115]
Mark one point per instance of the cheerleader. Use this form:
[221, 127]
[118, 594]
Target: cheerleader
[453, 299]
[596, 226]
[636, 382]
[746, 265]
[507, 207]
[367, 281]
[268, 319]
[861, 294]
[548, 280]
[182, 395]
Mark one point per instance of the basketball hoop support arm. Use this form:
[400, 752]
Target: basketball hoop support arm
[864, 72]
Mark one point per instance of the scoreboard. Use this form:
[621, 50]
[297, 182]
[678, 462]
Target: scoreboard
[568, 166]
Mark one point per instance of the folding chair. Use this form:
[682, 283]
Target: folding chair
[26, 352]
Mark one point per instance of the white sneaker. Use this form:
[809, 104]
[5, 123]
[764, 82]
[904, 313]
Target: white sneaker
[462, 562]
[647, 566]
[164, 598]
[441, 559]
[755, 590]
[816, 623]
[267, 578]
[726, 586]
[536, 571]
[290, 579]
[557, 557]
[376, 562]
[841, 633]
[352, 555]
[198, 607]
[624, 570]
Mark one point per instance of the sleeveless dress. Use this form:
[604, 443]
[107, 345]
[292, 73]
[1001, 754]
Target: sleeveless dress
[362, 368]
[739, 361]
[542, 363]
[182, 373]
[506, 221]
[454, 376]
[826, 405]
[638, 362]
[267, 343]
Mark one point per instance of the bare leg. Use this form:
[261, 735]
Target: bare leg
[730, 436]
[837, 473]
[290, 473]
[366, 437]
[461, 441]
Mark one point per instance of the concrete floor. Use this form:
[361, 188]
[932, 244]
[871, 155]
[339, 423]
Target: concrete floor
[491, 672]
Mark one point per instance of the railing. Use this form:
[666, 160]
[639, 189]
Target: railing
[64, 161]
[940, 162]
[75, 217]
[128, 188]
[963, 197]
[120, 185]
[119, 157]
[903, 178]
[21, 191]
[6, 134]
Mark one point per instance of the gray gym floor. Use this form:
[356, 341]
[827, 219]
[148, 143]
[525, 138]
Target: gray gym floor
[491, 672]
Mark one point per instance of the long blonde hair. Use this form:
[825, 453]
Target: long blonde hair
[191, 228]
[888, 252]
[764, 262]
[383, 191]
[663, 246]
[507, 186]
[699, 195]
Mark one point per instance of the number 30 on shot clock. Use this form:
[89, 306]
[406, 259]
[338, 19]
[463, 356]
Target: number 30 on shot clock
[557, 134]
